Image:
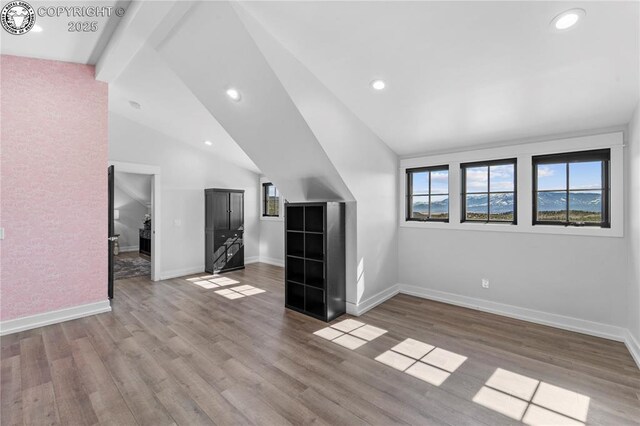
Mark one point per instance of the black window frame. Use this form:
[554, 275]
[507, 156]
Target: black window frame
[265, 199]
[603, 155]
[410, 194]
[488, 164]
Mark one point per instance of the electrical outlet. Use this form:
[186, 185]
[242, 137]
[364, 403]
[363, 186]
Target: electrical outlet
[485, 283]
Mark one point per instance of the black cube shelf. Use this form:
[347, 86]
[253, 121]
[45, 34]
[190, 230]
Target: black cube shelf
[315, 259]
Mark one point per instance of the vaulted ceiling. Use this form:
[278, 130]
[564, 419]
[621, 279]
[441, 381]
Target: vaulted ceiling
[459, 74]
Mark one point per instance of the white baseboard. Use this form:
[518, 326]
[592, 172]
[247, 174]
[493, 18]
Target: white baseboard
[554, 320]
[373, 301]
[592, 328]
[633, 346]
[272, 261]
[53, 317]
[175, 273]
[251, 259]
[128, 249]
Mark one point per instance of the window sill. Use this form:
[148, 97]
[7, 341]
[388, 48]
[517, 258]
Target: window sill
[272, 218]
[520, 228]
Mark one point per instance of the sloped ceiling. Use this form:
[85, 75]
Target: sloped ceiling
[136, 186]
[459, 74]
[171, 108]
[265, 123]
[56, 42]
[463, 74]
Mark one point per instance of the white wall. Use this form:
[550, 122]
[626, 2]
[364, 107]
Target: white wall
[633, 227]
[547, 275]
[131, 218]
[184, 174]
[366, 165]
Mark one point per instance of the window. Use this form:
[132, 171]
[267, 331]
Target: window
[489, 191]
[428, 194]
[572, 189]
[271, 200]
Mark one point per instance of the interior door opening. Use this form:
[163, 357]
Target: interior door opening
[134, 237]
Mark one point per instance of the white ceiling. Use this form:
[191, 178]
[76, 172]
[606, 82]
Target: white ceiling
[461, 74]
[170, 107]
[136, 186]
[56, 42]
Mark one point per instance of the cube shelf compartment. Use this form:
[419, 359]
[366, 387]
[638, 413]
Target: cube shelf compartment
[315, 259]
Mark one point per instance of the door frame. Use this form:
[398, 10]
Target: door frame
[154, 172]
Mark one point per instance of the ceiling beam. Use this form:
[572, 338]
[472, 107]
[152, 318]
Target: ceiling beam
[143, 23]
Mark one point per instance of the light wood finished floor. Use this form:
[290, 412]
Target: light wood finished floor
[172, 352]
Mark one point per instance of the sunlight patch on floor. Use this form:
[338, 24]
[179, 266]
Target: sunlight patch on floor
[350, 333]
[216, 281]
[238, 292]
[532, 401]
[422, 361]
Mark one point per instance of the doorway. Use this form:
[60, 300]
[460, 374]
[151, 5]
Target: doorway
[132, 249]
[135, 251]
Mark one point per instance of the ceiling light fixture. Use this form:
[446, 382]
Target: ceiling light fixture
[208, 143]
[233, 94]
[567, 19]
[378, 84]
[36, 29]
[135, 105]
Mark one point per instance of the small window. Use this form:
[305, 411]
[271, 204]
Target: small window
[489, 191]
[572, 189]
[271, 200]
[428, 194]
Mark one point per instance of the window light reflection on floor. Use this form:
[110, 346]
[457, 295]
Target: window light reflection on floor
[216, 281]
[350, 333]
[239, 292]
[422, 361]
[532, 401]
[212, 281]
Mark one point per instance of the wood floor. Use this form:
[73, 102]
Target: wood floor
[172, 352]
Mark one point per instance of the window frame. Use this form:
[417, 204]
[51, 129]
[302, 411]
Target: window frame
[410, 195]
[603, 155]
[463, 193]
[265, 200]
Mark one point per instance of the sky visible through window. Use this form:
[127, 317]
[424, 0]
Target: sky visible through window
[587, 175]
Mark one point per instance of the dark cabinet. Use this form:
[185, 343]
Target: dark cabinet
[145, 241]
[223, 229]
[315, 259]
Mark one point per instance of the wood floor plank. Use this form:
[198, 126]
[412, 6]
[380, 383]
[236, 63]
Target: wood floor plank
[72, 399]
[106, 400]
[11, 395]
[39, 405]
[34, 364]
[171, 352]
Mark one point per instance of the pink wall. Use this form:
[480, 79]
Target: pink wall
[54, 138]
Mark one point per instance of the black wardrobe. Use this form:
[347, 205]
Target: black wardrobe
[223, 229]
[315, 259]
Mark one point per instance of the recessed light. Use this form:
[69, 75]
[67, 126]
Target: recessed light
[36, 29]
[208, 143]
[378, 84]
[233, 94]
[135, 105]
[567, 19]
